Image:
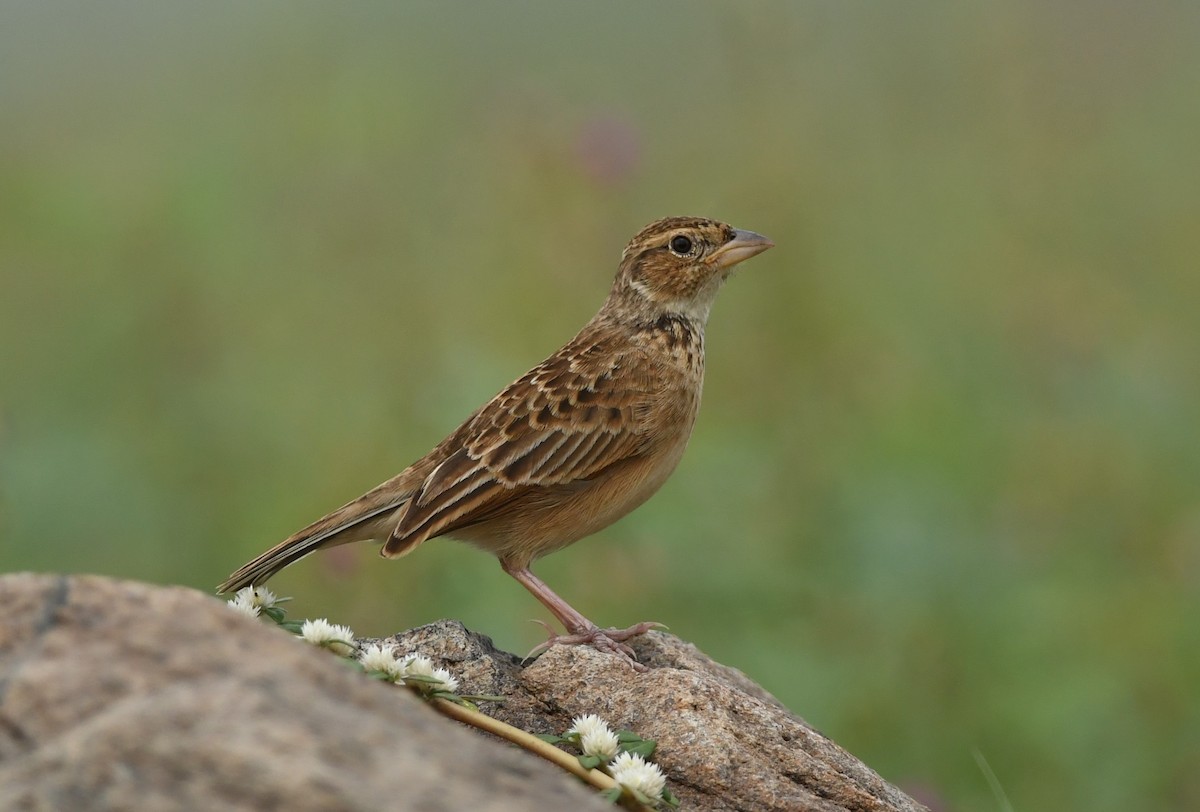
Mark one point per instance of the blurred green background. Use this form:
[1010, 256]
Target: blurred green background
[943, 495]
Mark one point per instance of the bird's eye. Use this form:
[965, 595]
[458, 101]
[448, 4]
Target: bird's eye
[681, 245]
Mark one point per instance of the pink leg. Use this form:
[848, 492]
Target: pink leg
[580, 630]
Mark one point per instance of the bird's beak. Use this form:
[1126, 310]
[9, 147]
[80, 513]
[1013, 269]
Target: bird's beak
[744, 245]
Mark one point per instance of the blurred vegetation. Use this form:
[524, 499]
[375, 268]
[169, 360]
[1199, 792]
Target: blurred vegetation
[943, 495]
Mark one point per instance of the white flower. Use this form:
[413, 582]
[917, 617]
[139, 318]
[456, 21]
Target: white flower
[323, 633]
[602, 743]
[595, 736]
[245, 594]
[262, 597]
[382, 657]
[632, 771]
[250, 600]
[418, 665]
[243, 602]
[450, 683]
[587, 723]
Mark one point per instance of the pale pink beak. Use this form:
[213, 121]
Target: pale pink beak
[744, 245]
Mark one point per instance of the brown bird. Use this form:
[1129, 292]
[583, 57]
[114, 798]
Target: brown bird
[572, 445]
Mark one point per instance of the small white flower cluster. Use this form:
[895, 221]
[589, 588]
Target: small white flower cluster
[381, 657]
[633, 772]
[413, 670]
[251, 600]
[328, 635]
[595, 736]
[629, 770]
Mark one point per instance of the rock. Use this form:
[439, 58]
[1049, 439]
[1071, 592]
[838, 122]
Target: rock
[119, 695]
[723, 742]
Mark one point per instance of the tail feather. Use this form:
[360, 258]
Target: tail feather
[360, 520]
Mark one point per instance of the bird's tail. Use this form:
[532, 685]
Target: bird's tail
[370, 516]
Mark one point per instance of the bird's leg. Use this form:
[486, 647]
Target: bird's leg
[580, 630]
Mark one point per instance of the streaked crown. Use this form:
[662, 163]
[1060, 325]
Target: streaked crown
[676, 265]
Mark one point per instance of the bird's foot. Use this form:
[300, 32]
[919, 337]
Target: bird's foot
[609, 640]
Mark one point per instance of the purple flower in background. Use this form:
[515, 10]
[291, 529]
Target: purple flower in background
[608, 148]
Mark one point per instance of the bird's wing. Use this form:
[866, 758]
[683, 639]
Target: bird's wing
[562, 423]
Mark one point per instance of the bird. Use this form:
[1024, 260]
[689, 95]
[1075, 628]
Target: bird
[571, 446]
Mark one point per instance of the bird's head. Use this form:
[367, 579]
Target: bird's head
[676, 266]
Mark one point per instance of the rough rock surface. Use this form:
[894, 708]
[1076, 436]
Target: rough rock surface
[118, 695]
[723, 742]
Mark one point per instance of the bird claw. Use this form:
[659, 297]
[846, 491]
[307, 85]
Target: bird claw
[609, 640]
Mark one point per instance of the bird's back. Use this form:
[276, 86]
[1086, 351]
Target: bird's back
[570, 447]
